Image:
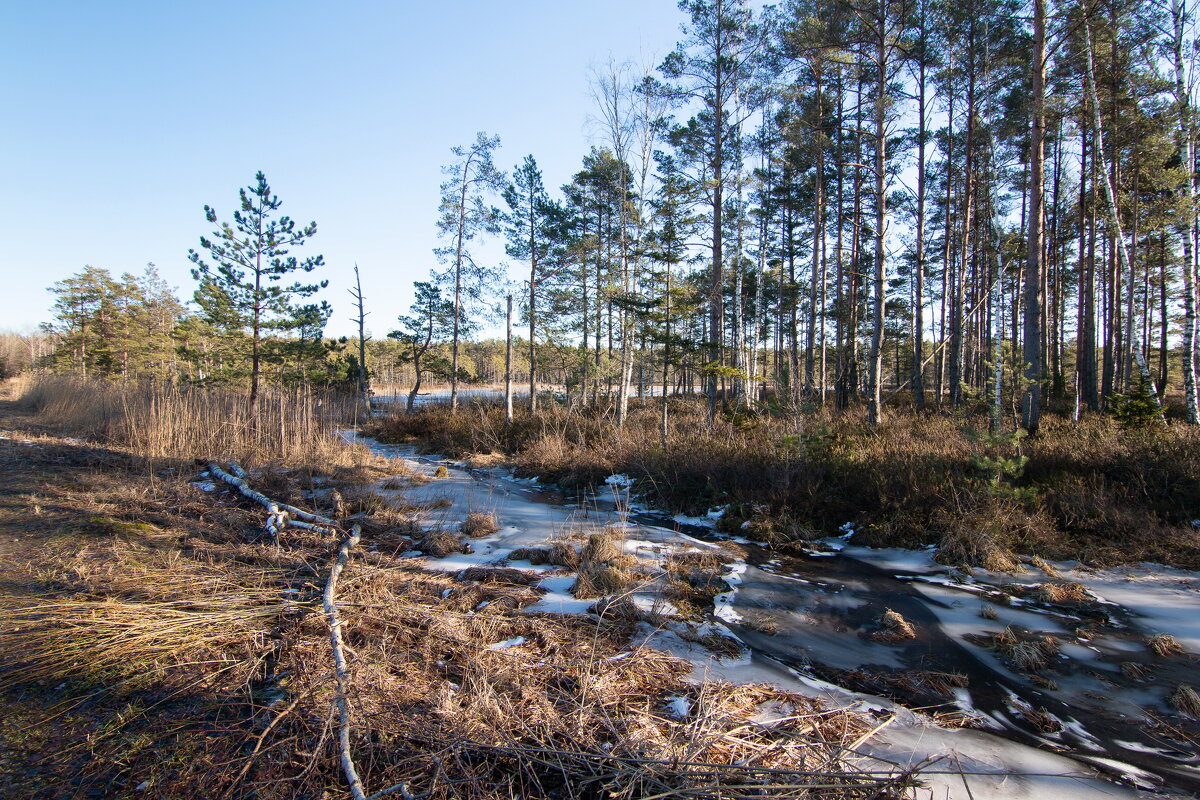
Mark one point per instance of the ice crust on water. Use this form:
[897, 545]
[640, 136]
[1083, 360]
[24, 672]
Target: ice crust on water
[723, 603]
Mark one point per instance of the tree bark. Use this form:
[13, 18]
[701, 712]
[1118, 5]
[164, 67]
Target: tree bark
[1114, 218]
[1185, 142]
[874, 411]
[508, 353]
[1031, 407]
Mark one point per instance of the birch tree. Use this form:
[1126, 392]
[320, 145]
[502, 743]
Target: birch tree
[1185, 143]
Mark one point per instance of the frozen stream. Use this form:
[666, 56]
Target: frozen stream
[1081, 725]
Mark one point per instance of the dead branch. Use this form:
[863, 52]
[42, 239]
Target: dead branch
[279, 515]
[341, 673]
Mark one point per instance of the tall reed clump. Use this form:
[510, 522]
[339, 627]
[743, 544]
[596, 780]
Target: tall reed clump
[164, 421]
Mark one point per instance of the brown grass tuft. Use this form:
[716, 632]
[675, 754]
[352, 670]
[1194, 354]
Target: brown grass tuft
[967, 545]
[1067, 593]
[441, 543]
[1044, 565]
[601, 548]
[534, 555]
[479, 524]
[562, 554]
[1024, 656]
[1164, 645]
[518, 577]
[1134, 670]
[1186, 701]
[599, 580]
[1041, 719]
[895, 628]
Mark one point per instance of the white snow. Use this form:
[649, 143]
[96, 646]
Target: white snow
[679, 706]
[558, 598]
[516, 641]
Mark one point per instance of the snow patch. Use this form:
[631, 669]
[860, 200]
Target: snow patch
[516, 641]
[679, 706]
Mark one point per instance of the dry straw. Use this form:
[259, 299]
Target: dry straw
[164, 421]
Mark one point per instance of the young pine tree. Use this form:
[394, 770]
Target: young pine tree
[242, 285]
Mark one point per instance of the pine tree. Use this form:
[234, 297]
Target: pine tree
[242, 288]
[429, 323]
[533, 225]
[471, 179]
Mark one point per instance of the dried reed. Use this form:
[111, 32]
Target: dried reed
[164, 421]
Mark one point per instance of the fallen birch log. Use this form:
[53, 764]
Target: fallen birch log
[340, 672]
[279, 515]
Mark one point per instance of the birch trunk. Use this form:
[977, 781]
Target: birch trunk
[1185, 143]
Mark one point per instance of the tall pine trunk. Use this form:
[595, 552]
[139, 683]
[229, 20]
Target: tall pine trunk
[1031, 407]
[876, 367]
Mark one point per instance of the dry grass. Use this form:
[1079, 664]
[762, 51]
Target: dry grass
[1090, 491]
[1134, 670]
[45, 639]
[518, 577]
[141, 575]
[558, 554]
[762, 622]
[479, 524]
[599, 580]
[1164, 645]
[604, 548]
[1064, 594]
[1044, 565]
[1040, 719]
[895, 628]
[1023, 655]
[168, 422]
[440, 543]
[1186, 701]
[975, 541]
[910, 684]
[562, 554]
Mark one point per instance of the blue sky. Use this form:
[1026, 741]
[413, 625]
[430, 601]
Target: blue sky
[123, 119]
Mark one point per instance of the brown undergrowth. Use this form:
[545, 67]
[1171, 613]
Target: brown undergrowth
[151, 641]
[1092, 490]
